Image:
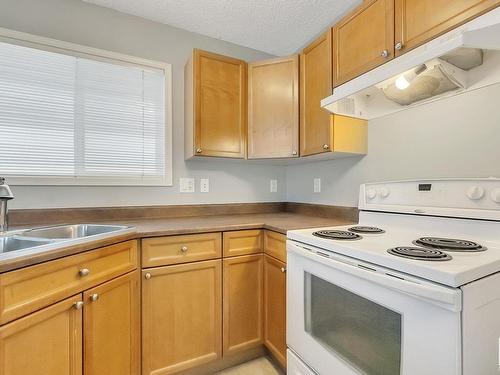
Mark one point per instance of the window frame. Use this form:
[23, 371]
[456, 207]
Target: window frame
[77, 50]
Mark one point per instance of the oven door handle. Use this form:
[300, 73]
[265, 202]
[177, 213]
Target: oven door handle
[445, 297]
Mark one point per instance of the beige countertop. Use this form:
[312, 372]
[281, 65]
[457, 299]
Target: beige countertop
[279, 222]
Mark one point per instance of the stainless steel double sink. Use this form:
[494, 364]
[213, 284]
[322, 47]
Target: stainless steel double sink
[48, 238]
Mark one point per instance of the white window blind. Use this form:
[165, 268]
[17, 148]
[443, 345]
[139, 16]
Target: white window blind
[78, 119]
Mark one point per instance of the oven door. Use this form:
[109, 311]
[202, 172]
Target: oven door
[346, 317]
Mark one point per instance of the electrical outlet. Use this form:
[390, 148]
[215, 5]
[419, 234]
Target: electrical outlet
[204, 185]
[186, 185]
[274, 186]
[317, 185]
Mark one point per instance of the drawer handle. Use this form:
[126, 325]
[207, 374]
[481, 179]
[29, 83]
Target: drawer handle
[184, 249]
[78, 305]
[94, 297]
[84, 272]
[147, 276]
[283, 269]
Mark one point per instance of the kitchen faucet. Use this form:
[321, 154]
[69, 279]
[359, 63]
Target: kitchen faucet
[5, 195]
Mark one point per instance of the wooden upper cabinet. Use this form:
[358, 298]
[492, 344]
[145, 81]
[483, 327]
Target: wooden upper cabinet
[418, 21]
[315, 85]
[363, 40]
[215, 106]
[112, 327]
[47, 342]
[273, 108]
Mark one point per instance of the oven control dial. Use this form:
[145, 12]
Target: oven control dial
[384, 192]
[495, 195]
[371, 193]
[475, 192]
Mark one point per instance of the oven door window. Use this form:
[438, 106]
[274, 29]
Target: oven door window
[361, 332]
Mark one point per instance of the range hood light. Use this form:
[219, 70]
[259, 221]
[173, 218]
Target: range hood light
[464, 59]
[401, 82]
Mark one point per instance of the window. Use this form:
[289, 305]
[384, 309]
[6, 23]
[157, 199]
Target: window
[72, 117]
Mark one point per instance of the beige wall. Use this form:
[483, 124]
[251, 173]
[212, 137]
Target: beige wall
[82, 23]
[456, 137]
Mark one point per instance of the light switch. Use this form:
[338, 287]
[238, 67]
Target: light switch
[317, 185]
[274, 186]
[204, 185]
[186, 185]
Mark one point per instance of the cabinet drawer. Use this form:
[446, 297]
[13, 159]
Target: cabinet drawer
[242, 242]
[31, 288]
[275, 245]
[160, 251]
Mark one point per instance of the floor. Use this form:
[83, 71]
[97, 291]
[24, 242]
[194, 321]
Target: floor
[259, 366]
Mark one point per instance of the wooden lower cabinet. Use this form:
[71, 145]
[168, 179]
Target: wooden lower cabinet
[275, 308]
[181, 316]
[47, 342]
[112, 327]
[243, 303]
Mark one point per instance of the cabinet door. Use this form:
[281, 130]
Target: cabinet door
[315, 85]
[363, 40]
[273, 108]
[181, 316]
[243, 303]
[418, 21]
[47, 342]
[275, 308]
[112, 327]
[220, 104]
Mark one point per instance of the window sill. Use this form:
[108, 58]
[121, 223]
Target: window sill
[87, 181]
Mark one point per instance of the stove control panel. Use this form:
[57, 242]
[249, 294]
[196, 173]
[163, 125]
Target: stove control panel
[466, 197]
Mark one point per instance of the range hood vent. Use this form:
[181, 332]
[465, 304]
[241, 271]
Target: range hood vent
[464, 59]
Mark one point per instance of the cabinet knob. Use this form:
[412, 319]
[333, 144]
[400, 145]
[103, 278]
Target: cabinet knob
[184, 249]
[147, 276]
[398, 46]
[283, 269]
[326, 147]
[94, 297]
[384, 53]
[78, 305]
[199, 150]
[83, 272]
[294, 152]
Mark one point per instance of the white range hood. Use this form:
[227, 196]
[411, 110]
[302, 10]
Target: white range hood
[464, 59]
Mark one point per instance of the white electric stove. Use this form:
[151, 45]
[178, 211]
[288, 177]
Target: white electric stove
[412, 289]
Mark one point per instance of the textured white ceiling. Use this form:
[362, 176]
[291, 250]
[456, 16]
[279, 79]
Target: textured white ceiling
[279, 27]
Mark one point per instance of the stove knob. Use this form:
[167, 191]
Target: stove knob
[495, 195]
[371, 193]
[475, 192]
[384, 192]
